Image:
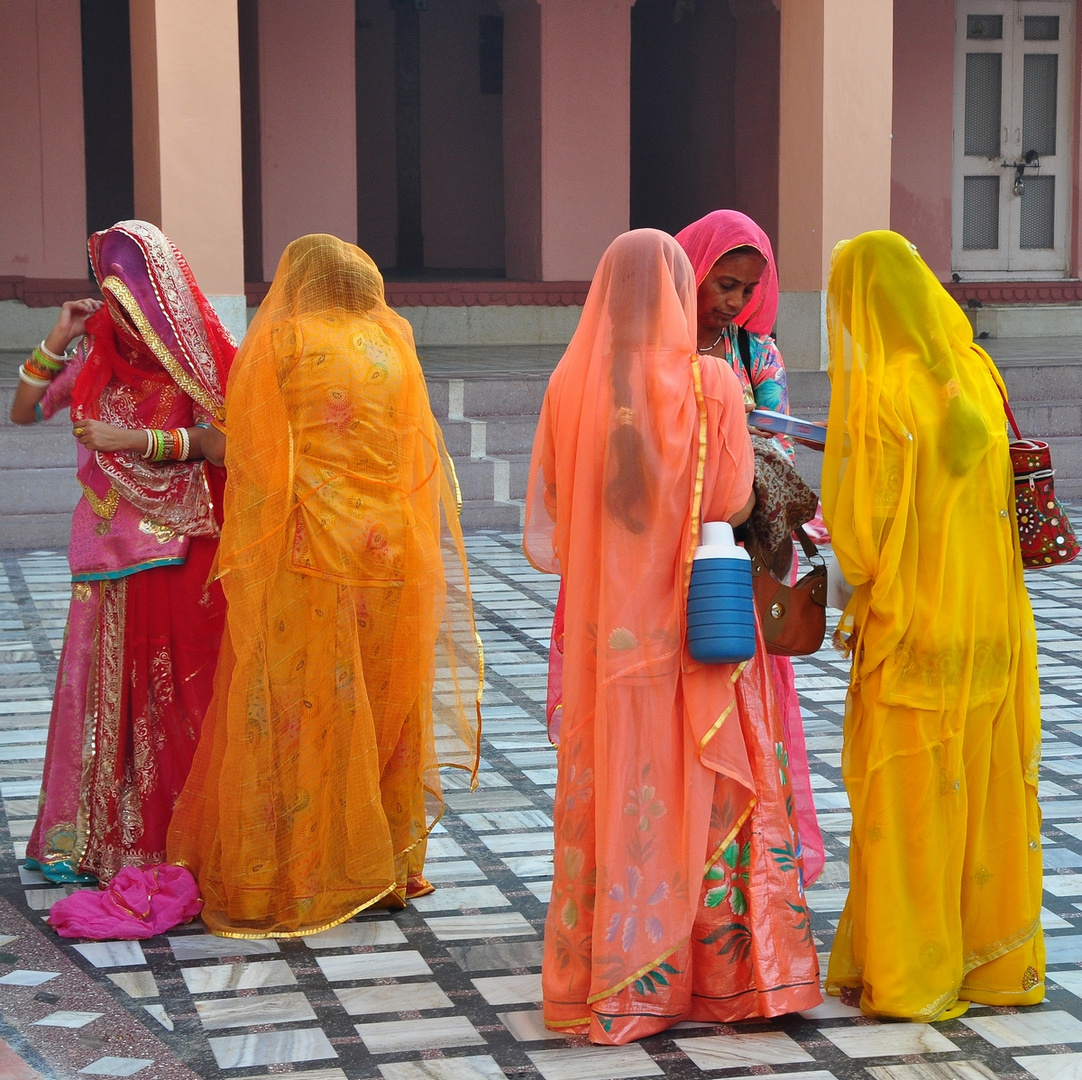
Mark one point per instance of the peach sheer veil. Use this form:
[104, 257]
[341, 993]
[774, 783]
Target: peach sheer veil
[351, 670]
[620, 478]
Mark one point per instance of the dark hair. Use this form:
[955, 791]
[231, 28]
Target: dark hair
[630, 488]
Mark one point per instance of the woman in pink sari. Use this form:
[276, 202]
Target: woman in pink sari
[144, 626]
[736, 306]
[677, 889]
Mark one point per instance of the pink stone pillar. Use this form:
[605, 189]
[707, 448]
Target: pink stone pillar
[567, 134]
[835, 152]
[186, 139]
[43, 180]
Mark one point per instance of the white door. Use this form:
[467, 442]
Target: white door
[1012, 137]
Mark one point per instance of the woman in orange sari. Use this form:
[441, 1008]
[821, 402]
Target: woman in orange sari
[677, 891]
[315, 783]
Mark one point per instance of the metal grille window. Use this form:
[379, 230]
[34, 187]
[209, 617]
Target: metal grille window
[1038, 213]
[1042, 28]
[984, 96]
[1039, 77]
[984, 27]
[980, 213]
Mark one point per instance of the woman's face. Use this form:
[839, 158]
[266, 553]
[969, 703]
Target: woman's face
[727, 288]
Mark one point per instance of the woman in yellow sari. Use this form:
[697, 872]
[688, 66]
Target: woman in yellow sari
[942, 727]
[315, 783]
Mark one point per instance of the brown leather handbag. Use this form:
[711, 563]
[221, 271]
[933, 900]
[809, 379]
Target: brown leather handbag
[794, 617]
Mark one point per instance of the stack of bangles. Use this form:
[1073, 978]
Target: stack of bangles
[171, 445]
[42, 367]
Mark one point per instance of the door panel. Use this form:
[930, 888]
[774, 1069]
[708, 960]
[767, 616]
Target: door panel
[1012, 136]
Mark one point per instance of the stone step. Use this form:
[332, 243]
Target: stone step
[1026, 380]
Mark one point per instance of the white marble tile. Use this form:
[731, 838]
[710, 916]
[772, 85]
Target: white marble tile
[351, 934]
[460, 1068]
[116, 1066]
[739, 1051]
[507, 820]
[528, 1025]
[159, 1014]
[107, 954]
[529, 866]
[303, 1074]
[829, 1008]
[66, 1019]
[136, 984]
[1053, 1066]
[497, 955]
[22, 977]
[438, 1032]
[888, 1040]
[504, 842]
[1069, 980]
[454, 871]
[385, 965]
[392, 998]
[204, 946]
[43, 899]
[594, 1063]
[1063, 884]
[541, 889]
[510, 989]
[1051, 921]
[464, 927]
[271, 1048]
[934, 1070]
[214, 978]
[443, 847]
[470, 896]
[1028, 1028]
[251, 1010]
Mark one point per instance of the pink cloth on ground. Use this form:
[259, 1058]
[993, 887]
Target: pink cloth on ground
[140, 902]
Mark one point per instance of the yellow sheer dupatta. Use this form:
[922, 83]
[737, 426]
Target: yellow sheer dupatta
[351, 670]
[942, 737]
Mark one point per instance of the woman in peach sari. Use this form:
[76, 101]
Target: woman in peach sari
[315, 783]
[677, 891]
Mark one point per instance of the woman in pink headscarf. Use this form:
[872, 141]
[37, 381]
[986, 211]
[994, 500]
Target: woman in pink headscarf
[736, 307]
[144, 383]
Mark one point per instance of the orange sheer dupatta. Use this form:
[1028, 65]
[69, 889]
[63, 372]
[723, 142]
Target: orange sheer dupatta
[351, 669]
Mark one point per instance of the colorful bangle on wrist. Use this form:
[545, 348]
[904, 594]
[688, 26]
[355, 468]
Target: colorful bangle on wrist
[34, 376]
[61, 359]
[171, 445]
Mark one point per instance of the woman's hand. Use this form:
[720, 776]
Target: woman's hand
[95, 435]
[71, 324]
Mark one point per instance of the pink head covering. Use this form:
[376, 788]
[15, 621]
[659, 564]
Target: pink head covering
[707, 239]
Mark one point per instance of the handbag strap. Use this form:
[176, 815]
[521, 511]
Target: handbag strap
[1010, 413]
[810, 550]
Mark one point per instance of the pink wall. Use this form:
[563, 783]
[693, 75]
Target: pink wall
[585, 132]
[461, 143]
[922, 155]
[43, 180]
[377, 211]
[308, 122]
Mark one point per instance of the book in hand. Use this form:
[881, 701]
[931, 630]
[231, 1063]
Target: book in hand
[779, 424]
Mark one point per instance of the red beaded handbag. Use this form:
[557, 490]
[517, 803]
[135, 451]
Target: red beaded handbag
[1045, 534]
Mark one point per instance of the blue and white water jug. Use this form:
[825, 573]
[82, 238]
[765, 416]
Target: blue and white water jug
[721, 610]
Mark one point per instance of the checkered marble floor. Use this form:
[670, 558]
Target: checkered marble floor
[449, 989]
